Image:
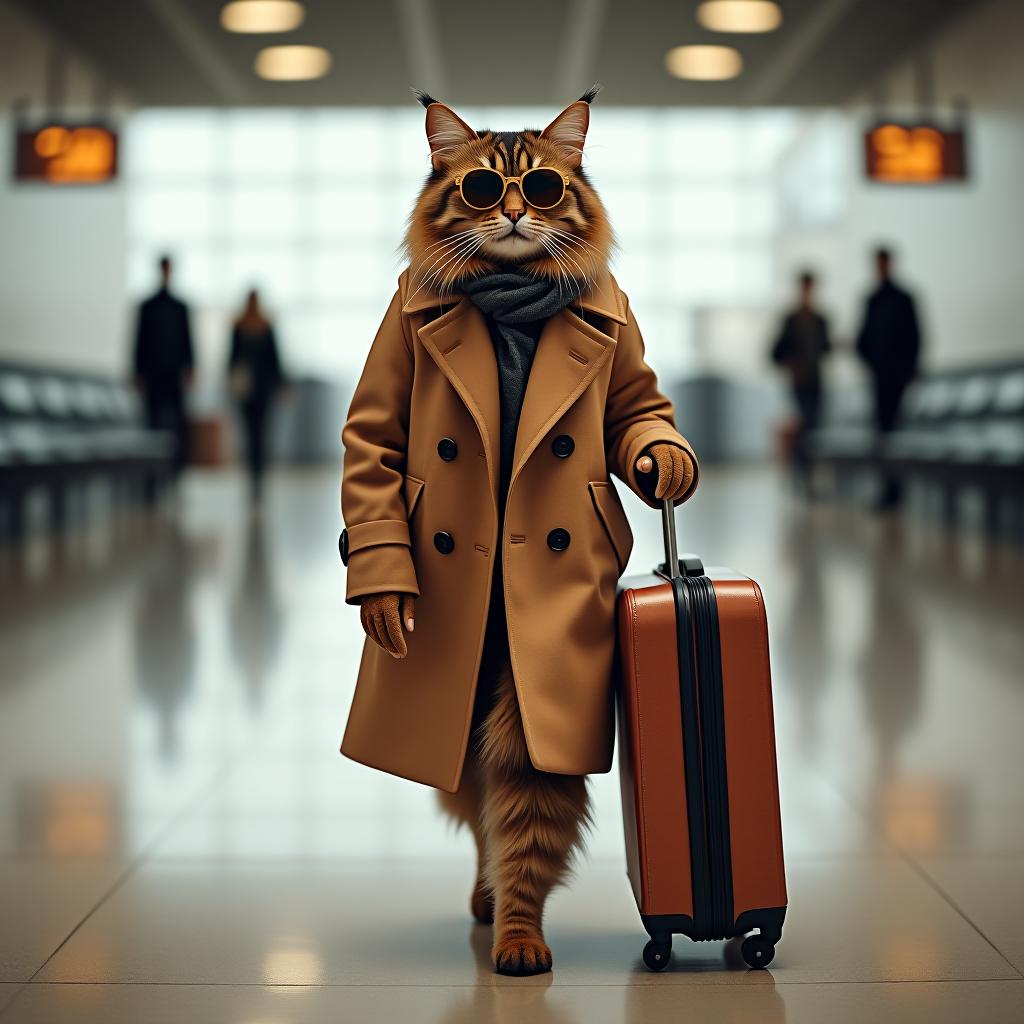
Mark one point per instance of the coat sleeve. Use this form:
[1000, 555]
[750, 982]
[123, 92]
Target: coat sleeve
[375, 438]
[637, 414]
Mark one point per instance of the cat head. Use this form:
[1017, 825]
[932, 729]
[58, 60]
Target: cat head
[563, 233]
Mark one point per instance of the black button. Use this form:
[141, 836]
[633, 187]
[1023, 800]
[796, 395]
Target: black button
[447, 449]
[558, 539]
[563, 446]
[343, 547]
[444, 542]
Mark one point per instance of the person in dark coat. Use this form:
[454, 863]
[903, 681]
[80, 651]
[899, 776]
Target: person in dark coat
[254, 377]
[889, 342]
[164, 362]
[801, 348]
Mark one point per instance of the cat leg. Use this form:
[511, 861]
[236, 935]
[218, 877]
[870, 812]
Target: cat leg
[465, 808]
[533, 821]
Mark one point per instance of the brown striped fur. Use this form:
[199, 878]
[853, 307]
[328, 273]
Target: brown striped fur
[527, 825]
[448, 241]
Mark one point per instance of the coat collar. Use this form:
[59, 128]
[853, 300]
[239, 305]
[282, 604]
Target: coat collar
[570, 354]
[603, 298]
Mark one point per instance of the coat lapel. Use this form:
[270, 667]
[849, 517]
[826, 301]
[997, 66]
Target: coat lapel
[458, 341]
[570, 354]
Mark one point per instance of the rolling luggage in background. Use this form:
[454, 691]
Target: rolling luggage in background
[700, 794]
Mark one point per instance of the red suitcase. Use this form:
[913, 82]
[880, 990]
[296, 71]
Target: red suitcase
[700, 794]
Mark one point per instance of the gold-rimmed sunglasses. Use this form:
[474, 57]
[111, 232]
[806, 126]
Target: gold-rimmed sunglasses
[483, 187]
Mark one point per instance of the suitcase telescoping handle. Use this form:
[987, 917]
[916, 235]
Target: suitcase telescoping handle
[668, 528]
[688, 565]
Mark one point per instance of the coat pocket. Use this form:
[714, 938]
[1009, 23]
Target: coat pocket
[613, 519]
[412, 488]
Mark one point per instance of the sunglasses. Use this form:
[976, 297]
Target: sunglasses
[483, 187]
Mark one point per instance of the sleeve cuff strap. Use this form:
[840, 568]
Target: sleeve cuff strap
[381, 531]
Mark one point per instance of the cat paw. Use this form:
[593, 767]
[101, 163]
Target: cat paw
[521, 956]
[481, 904]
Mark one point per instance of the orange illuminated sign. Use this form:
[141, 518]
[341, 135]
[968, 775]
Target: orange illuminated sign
[914, 154]
[84, 154]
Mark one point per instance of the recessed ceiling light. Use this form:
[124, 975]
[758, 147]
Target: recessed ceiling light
[740, 15]
[704, 63]
[292, 63]
[262, 15]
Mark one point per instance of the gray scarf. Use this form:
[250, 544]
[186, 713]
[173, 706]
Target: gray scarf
[516, 306]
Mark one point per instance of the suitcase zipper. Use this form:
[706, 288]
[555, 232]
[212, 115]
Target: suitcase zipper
[701, 702]
[712, 717]
[692, 770]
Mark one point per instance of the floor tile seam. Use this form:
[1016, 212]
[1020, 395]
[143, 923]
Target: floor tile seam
[19, 987]
[919, 870]
[927, 877]
[646, 982]
[133, 865]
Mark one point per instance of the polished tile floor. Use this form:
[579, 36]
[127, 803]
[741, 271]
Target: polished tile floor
[180, 841]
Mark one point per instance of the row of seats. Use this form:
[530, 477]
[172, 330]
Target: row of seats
[958, 426]
[59, 428]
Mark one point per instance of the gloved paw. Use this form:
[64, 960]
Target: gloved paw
[674, 467]
[385, 618]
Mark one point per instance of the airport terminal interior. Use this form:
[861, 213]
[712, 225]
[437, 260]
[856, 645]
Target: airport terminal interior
[180, 838]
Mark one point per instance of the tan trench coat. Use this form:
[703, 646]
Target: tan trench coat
[429, 377]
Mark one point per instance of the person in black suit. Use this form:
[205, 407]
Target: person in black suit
[889, 342]
[164, 362]
[801, 348]
[254, 377]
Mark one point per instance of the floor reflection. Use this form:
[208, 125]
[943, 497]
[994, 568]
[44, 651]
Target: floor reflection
[801, 658]
[513, 1002]
[256, 617]
[165, 636]
[891, 664]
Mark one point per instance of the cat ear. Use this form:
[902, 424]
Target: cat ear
[445, 131]
[568, 131]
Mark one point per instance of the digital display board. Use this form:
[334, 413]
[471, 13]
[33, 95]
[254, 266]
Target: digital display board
[914, 154]
[66, 154]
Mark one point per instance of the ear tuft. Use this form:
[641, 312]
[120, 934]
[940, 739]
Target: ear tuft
[568, 131]
[422, 97]
[445, 131]
[591, 94]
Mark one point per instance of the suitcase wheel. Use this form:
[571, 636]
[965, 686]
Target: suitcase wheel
[756, 951]
[657, 954]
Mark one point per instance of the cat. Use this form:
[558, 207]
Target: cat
[527, 824]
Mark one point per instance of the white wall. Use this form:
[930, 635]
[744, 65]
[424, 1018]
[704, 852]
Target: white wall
[62, 290]
[959, 247]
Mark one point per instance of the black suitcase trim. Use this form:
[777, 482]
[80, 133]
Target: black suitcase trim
[757, 950]
[712, 730]
[706, 782]
[700, 869]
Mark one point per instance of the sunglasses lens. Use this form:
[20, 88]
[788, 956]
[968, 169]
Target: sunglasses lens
[543, 188]
[482, 188]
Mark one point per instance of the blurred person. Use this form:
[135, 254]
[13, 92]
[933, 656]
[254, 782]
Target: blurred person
[254, 377]
[889, 342]
[801, 348]
[164, 361]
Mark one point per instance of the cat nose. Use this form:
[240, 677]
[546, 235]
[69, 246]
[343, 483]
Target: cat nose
[514, 215]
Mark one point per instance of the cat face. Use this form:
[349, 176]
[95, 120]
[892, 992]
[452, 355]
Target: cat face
[552, 224]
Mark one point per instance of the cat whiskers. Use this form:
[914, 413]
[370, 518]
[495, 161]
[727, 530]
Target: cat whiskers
[457, 259]
[559, 250]
[441, 253]
[585, 250]
[438, 248]
[563, 275]
[453, 275]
